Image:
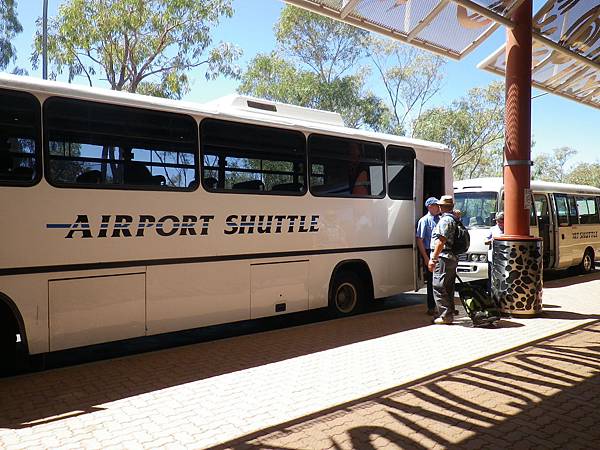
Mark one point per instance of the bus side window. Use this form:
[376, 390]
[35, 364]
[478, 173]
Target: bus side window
[341, 167]
[19, 138]
[400, 172]
[98, 145]
[594, 209]
[252, 159]
[532, 213]
[588, 213]
[541, 208]
[562, 210]
[573, 214]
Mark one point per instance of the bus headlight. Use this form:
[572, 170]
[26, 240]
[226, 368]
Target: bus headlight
[482, 258]
[473, 257]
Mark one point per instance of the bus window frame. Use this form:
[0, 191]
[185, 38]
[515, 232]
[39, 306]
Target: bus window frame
[192, 186]
[586, 199]
[37, 141]
[252, 191]
[359, 141]
[568, 216]
[413, 153]
[572, 202]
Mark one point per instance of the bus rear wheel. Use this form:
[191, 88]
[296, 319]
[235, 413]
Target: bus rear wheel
[8, 347]
[587, 262]
[347, 294]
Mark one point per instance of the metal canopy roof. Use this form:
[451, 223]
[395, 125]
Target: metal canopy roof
[566, 47]
[566, 50]
[450, 27]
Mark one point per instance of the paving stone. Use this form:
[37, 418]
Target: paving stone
[359, 382]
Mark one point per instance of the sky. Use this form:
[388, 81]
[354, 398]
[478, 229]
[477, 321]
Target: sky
[556, 121]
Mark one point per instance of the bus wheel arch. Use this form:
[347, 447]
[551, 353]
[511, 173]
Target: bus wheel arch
[11, 324]
[587, 261]
[350, 287]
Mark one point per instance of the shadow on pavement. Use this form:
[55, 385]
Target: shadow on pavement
[542, 396]
[44, 397]
[562, 278]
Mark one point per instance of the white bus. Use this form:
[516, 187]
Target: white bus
[125, 215]
[565, 216]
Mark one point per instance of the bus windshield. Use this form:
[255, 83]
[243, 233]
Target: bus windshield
[478, 208]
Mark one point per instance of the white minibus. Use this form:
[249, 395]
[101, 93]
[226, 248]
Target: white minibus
[565, 216]
[125, 215]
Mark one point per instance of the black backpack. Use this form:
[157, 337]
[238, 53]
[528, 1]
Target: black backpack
[462, 240]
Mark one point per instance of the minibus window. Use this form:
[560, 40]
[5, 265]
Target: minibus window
[562, 210]
[573, 216]
[588, 213]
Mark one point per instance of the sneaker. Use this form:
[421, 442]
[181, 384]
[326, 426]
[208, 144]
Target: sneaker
[440, 321]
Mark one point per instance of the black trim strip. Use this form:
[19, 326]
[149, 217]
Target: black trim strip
[198, 259]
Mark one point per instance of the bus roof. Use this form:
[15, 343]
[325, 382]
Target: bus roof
[495, 184]
[230, 107]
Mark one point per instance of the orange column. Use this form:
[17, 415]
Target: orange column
[517, 120]
[517, 263]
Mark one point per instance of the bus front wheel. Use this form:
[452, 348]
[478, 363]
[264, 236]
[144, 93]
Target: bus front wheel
[347, 294]
[587, 262]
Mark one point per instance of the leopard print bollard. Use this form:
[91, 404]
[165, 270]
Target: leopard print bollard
[517, 276]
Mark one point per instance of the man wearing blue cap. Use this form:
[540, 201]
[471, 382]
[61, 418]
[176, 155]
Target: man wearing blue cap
[424, 229]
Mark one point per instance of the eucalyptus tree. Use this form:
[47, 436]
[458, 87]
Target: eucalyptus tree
[145, 46]
[473, 128]
[9, 28]
[317, 64]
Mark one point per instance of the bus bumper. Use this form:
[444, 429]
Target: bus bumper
[470, 271]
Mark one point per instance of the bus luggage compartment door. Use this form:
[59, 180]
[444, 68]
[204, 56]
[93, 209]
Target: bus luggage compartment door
[85, 311]
[278, 288]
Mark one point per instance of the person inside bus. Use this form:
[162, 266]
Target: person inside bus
[425, 227]
[358, 174]
[136, 172]
[495, 231]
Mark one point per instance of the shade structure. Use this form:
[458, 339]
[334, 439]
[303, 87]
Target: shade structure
[566, 50]
[452, 28]
[566, 34]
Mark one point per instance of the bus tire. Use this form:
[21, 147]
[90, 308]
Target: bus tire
[8, 345]
[587, 262]
[347, 294]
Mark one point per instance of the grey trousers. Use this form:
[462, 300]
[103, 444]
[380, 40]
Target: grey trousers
[444, 277]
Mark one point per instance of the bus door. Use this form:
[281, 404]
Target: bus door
[419, 205]
[546, 228]
[564, 232]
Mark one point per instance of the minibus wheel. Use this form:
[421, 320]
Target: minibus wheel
[587, 262]
[347, 293]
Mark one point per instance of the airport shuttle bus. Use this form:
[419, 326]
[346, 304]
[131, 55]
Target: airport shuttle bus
[125, 215]
[565, 216]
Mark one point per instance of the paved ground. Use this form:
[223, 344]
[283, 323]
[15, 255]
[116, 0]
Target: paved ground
[380, 380]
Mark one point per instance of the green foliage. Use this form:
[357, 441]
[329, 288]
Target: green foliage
[9, 28]
[552, 167]
[411, 77]
[585, 173]
[328, 47]
[472, 127]
[139, 46]
[312, 68]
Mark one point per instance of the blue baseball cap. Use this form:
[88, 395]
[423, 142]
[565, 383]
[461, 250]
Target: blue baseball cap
[431, 201]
